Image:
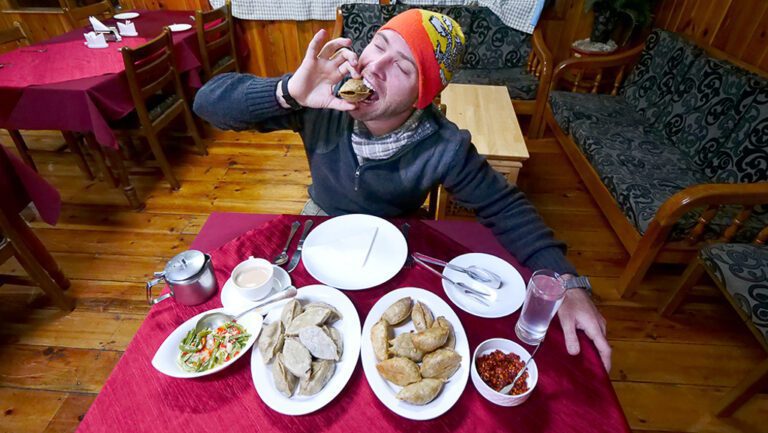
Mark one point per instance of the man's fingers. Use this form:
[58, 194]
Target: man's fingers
[334, 45]
[341, 105]
[316, 44]
[344, 55]
[571, 340]
[345, 68]
[598, 338]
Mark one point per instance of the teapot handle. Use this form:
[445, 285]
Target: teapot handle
[153, 282]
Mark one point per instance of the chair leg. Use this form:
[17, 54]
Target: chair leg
[691, 276]
[641, 259]
[194, 131]
[748, 387]
[74, 146]
[21, 146]
[165, 166]
[128, 189]
[98, 155]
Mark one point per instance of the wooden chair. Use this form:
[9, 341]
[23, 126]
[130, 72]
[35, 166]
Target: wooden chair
[18, 35]
[78, 15]
[216, 37]
[159, 98]
[735, 270]
[22, 243]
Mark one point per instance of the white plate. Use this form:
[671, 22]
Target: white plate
[232, 301]
[166, 356]
[385, 259]
[509, 297]
[126, 16]
[348, 326]
[385, 390]
[180, 27]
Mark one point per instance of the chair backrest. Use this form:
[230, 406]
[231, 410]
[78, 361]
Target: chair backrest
[216, 37]
[77, 15]
[16, 35]
[152, 76]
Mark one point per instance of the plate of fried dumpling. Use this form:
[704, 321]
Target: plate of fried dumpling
[415, 353]
[307, 351]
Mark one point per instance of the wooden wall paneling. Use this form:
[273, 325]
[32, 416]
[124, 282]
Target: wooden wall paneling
[663, 13]
[755, 50]
[255, 34]
[739, 20]
[711, 20]
[294, 52]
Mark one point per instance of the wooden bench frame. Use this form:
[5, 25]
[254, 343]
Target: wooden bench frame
[587, 76]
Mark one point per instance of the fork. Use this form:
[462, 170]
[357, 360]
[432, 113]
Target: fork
[473, 293]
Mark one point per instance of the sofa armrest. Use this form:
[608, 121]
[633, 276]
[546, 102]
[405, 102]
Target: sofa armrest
[588, 73]
[711, 195]
[338, 25]
[540, 66]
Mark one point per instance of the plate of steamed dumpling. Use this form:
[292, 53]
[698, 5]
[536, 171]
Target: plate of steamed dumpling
[307, 351]
[415, 353]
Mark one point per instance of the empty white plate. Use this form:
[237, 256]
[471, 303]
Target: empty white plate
[126, 16]
[180, 27]
[509, 297]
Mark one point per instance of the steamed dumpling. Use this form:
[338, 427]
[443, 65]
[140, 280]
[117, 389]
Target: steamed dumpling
[334, 313]
[296, 358]
[400, 371]
[290, 311]
[322, 371]
[422, 317]
[336, 337]
[271, 340]
[398, 312]
[319, 344]
[285, 382]
[380, 333]
[421, 392]
[310, 317]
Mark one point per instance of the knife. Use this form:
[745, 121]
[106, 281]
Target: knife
[297, 254]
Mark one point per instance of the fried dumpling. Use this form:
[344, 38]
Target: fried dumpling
[430, 339]
[400, 371]
[421, 392]
[322, 371]
[354, 90]
[319, 344]
[290, 311]
[398, 312]
[310, 317]
[271, 340]
[380, 333]
[332, 317]
[402, 345]
[440, 364]
[450, 342]
[285, 382]
[422, 317]
[296, 358]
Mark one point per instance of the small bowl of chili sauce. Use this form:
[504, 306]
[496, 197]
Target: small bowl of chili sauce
[495, 364]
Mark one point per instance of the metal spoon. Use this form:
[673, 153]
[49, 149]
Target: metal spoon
[482, 275]
[509, 387]
[214, 320]
[478, 295]
[282, 258]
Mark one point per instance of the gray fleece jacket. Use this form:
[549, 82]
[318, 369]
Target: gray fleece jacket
[391, 187]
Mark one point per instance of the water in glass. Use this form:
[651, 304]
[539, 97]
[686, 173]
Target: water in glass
[542, 299]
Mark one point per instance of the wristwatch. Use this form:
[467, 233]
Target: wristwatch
[287, 96]
[581, 282]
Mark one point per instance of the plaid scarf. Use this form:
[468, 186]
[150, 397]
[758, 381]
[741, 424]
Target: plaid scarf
[367, 146]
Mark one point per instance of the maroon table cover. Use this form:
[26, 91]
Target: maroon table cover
[574, 394]
[70, 87]
[22, 184]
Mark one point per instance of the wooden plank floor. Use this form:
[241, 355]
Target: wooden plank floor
[668, 374]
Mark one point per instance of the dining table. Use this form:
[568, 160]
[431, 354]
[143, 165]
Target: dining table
[573, 394]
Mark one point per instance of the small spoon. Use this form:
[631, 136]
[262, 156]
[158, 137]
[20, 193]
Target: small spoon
[481, 275]
[214, 320]
[282, 258]
[509, 387]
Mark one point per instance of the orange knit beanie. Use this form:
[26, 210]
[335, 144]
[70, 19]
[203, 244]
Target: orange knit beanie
[437, 44]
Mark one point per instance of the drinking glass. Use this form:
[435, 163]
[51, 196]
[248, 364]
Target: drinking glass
[543, 297]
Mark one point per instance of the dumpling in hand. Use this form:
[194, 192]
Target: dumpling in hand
[450, 342]
[271, 340]
[380, 333]
[422, 317]
[319, 344]
[296, 358]
[290, 311]
[322, 371]
[402, 345]
[398, 312]
[430, 339]
[421, 392]
[440, 364]
[335, 314]
[400, 371]
[285, 382]
[310, 317]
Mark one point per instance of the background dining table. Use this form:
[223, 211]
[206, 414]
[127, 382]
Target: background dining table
[61, 84]
[574, 393]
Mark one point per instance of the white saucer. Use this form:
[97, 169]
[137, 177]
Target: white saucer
[232, 300]
[179, 27]
[509, 297]
[126, 16]
[130, 35]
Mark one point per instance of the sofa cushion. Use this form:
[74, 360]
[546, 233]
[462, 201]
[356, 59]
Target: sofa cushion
[491, 44]
[743, 270]
[361, 21]
[706, 107]
[569, 107]
[663, 63]
[744, 156]
[519, 83]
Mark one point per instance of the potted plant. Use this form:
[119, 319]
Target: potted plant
[628, 15]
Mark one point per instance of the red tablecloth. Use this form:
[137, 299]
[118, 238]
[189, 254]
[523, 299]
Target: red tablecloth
[20, 184]
[70, 87]
[574, 394]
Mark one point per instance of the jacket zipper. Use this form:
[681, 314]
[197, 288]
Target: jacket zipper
[357, 176]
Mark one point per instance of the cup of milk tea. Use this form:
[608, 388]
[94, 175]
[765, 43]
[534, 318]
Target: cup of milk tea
[253, 278]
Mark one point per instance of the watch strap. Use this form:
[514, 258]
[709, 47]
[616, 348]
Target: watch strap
[581, 282]
[286, 95]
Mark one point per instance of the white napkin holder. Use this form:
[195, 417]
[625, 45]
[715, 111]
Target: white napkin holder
[98, 26]
[127, 29]
[95, 40]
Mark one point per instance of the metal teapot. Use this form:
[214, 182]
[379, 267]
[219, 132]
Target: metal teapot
[190, 276]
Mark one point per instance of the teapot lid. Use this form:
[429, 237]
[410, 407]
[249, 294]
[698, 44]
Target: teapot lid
[184, 265]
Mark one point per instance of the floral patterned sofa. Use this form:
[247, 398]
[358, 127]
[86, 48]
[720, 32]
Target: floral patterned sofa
[675, 155]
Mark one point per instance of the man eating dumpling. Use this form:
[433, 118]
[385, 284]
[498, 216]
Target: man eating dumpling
[383, 154]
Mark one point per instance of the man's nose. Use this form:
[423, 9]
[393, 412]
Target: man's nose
[377, 67]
